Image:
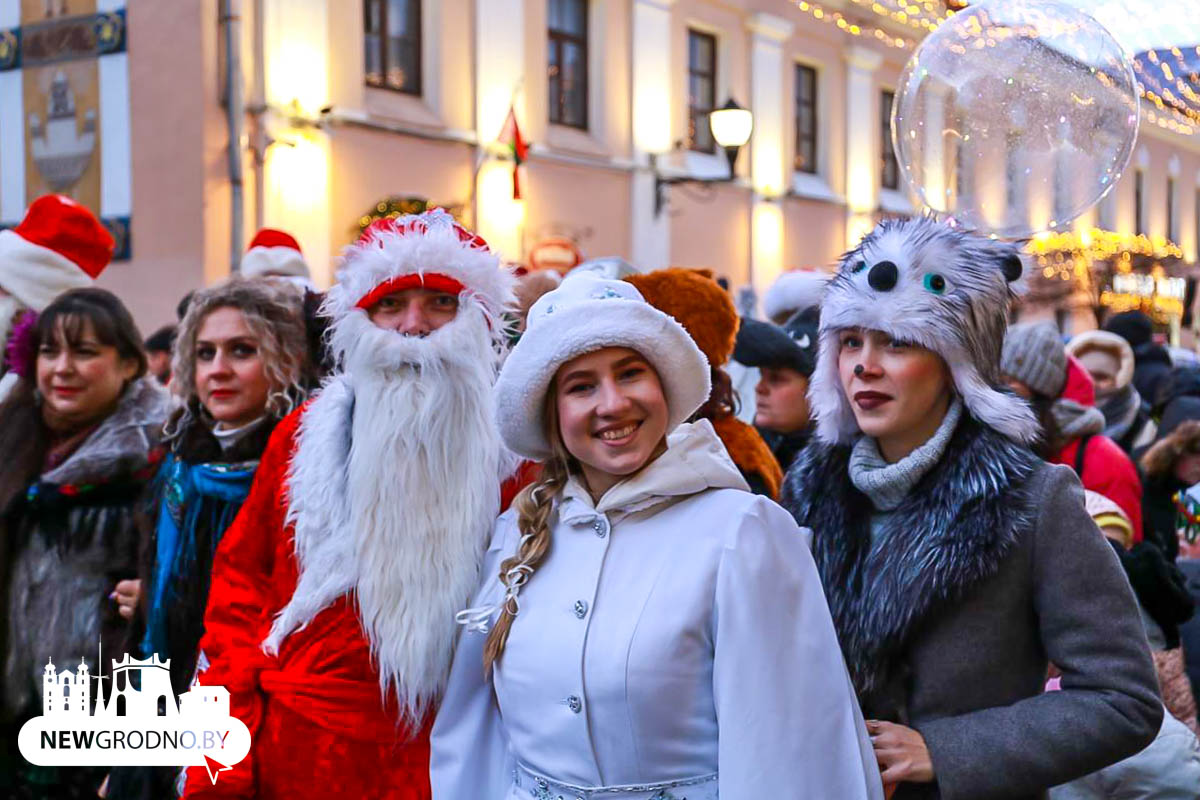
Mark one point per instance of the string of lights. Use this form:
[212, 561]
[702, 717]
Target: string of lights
[1171, 90]
[852, 26]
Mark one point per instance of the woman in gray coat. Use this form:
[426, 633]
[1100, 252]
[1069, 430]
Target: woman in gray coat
[956, 563]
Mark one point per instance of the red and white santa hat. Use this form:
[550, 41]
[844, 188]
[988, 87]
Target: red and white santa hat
[274, 252]
[428, 250]
[60, 245]
[794, 291]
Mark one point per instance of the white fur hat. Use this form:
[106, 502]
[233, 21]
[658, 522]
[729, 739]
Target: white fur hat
[583, 315]
[428, 250]
[794, 291]
[944, 289]
[1109, 343]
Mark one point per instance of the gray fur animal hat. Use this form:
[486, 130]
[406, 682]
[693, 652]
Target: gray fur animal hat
[921, 281]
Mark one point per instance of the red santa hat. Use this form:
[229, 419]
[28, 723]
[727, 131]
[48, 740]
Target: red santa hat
[794, 291]
[60, 245]
[428, 250]
[274, 252]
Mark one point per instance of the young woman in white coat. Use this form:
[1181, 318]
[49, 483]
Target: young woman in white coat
[646, 628]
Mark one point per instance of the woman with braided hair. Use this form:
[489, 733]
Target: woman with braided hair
[646, 627]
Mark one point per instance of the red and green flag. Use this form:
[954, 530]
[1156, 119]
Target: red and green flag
[510, 136]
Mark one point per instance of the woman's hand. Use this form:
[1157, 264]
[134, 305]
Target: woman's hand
[901, 753]
[126, 594]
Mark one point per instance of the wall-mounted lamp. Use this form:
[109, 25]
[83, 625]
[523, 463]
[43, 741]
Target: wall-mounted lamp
[731, 126]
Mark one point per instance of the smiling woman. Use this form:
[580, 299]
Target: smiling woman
[240, 365]
[638, 586]
[78, 448]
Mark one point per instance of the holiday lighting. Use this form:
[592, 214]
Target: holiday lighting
[1170, 89]
[853, 27]
[1078, 256]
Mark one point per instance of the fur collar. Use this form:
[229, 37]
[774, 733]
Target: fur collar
[122, 443]
[953, 530]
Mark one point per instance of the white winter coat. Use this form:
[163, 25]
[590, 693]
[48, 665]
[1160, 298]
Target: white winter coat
[677, 630]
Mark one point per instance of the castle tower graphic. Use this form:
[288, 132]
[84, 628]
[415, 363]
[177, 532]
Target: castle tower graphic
[66, 693]
[128, 697]
[204, 701]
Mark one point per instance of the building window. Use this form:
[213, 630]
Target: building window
[889, 175]
[702, 90]
[567, 62]
[1139, 202]
[392, 44]
[806, 119]
[1172, 219]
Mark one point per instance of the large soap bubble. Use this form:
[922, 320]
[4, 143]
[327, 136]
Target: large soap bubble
[1015, 116]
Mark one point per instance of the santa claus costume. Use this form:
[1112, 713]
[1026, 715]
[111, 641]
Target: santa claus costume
[331, 615]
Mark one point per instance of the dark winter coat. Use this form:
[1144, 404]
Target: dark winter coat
[1178, 400]
[70, 539]
[1152, 364]
[185, 614]
[989, 570]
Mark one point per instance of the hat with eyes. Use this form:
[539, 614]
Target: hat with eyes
[947, 290]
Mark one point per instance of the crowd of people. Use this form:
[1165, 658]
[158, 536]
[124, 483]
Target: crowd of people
[446, 531]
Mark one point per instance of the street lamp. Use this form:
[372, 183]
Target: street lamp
[731, 126]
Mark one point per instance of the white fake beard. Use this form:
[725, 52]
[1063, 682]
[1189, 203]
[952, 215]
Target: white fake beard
[423, 492]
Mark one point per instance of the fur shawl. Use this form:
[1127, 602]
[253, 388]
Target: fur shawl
[952, 531]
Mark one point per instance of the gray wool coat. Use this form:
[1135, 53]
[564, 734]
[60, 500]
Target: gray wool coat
[990, 570]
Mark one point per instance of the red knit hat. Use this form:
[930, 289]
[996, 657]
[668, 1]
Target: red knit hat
[60, 245]
[274, 252]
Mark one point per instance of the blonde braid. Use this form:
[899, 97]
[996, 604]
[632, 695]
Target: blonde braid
[534, 504]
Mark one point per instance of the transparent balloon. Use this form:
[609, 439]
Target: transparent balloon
[1015, 116]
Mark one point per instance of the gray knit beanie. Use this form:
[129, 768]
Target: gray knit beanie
[1035, 355]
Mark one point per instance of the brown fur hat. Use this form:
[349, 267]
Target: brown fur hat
[1161, 457]
[694, 299]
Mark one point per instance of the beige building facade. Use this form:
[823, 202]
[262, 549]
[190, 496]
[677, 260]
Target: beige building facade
[347, 103]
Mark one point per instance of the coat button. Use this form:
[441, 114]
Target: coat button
[581, 608]
[600, 528]
[575, 704]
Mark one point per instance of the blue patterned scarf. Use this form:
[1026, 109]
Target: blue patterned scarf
[191, 495]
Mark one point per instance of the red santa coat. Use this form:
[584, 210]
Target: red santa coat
[318, 722]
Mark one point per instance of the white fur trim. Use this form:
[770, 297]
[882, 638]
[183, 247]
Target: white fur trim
[1108, 343]
[275, 261]
[583, 315]
[387, 255]
[793, 291]
[392, 492]
[36, 275]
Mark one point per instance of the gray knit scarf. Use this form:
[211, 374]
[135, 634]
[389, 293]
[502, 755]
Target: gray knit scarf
[1120, 409]
[888, 484]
